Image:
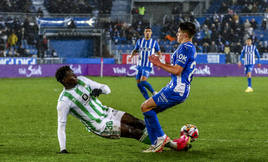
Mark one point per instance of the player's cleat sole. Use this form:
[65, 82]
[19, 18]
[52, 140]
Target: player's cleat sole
[160, 144]
[249, 89]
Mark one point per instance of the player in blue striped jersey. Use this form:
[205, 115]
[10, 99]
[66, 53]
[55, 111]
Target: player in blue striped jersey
[146, 47]
[176, 91]
[248, 52]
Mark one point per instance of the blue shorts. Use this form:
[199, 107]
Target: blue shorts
[143, 71]
[167, 98]
[248, 68]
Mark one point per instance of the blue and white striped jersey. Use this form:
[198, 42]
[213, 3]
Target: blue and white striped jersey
[184, 56]
[146, 48]
[249, 53]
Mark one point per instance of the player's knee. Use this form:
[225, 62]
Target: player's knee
[143, 78]
[143, 106]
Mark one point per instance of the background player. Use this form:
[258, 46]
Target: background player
[79, 99]
[146, 47]
[249, 51]
[182, 68]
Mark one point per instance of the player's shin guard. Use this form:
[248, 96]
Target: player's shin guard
[147, 85]
[143, 91]
[154, 123]
[249, 82]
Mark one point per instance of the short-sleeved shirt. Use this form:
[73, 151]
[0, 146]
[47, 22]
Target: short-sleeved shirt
[249, 53]
[146, 48]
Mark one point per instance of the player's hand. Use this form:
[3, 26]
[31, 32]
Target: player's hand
[239, 64]
[154, 60]
[259, 65]
[63, 152]
[96, 92]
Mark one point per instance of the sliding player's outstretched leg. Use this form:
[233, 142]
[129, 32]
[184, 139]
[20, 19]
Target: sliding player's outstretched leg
[133, 121]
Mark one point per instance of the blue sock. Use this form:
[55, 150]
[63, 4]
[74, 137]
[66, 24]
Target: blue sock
[249, 82]
[154, 123]
[143, 91]
[148, 86]
[151, 134]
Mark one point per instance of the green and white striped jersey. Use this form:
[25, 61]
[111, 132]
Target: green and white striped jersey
[78, 102]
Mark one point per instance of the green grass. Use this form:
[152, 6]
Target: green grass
[232, 124]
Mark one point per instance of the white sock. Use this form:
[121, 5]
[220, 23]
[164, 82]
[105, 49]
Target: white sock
[172, 145]
[162, 137]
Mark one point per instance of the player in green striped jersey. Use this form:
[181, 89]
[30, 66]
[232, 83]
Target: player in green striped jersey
[79, 98]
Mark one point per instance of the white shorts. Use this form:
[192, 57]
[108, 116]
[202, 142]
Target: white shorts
[113, 124]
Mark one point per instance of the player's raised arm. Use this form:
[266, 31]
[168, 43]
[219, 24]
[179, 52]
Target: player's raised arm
[173, 69]
[63, 110]
[96, 88]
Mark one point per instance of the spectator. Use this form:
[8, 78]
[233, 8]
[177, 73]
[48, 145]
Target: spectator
[247, 24]
[264, 24]
[205, 47]
[207, 33]
[213, 47]
[253, 23]
[12, 41]
[141, 11]
[227, 51]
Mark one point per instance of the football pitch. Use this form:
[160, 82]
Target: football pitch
[232, 124]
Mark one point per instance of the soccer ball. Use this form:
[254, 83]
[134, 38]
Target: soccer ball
[190, 130]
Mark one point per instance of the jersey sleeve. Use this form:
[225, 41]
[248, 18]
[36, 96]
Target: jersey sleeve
[63, 111]
[242, 54]
[258, 55]
[182, 57]
[95, 85]
[156, 47]
[137, 46]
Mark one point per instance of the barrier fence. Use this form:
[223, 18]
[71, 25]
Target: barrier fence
[48, 70]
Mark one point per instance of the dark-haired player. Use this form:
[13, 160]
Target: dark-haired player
[79, 98]
[249, 51]
[145, 47]
[177, 90]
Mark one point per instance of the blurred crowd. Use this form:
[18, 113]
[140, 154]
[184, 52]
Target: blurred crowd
[217, 33]
[79, 6]
[19, 37]
[124, 33]
[16, 6]
[220, 33]
[244, 6]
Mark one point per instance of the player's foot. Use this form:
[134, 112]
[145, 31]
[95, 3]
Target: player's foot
[154, 93]
[150, 149]
[160, 143]
[249, 89]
